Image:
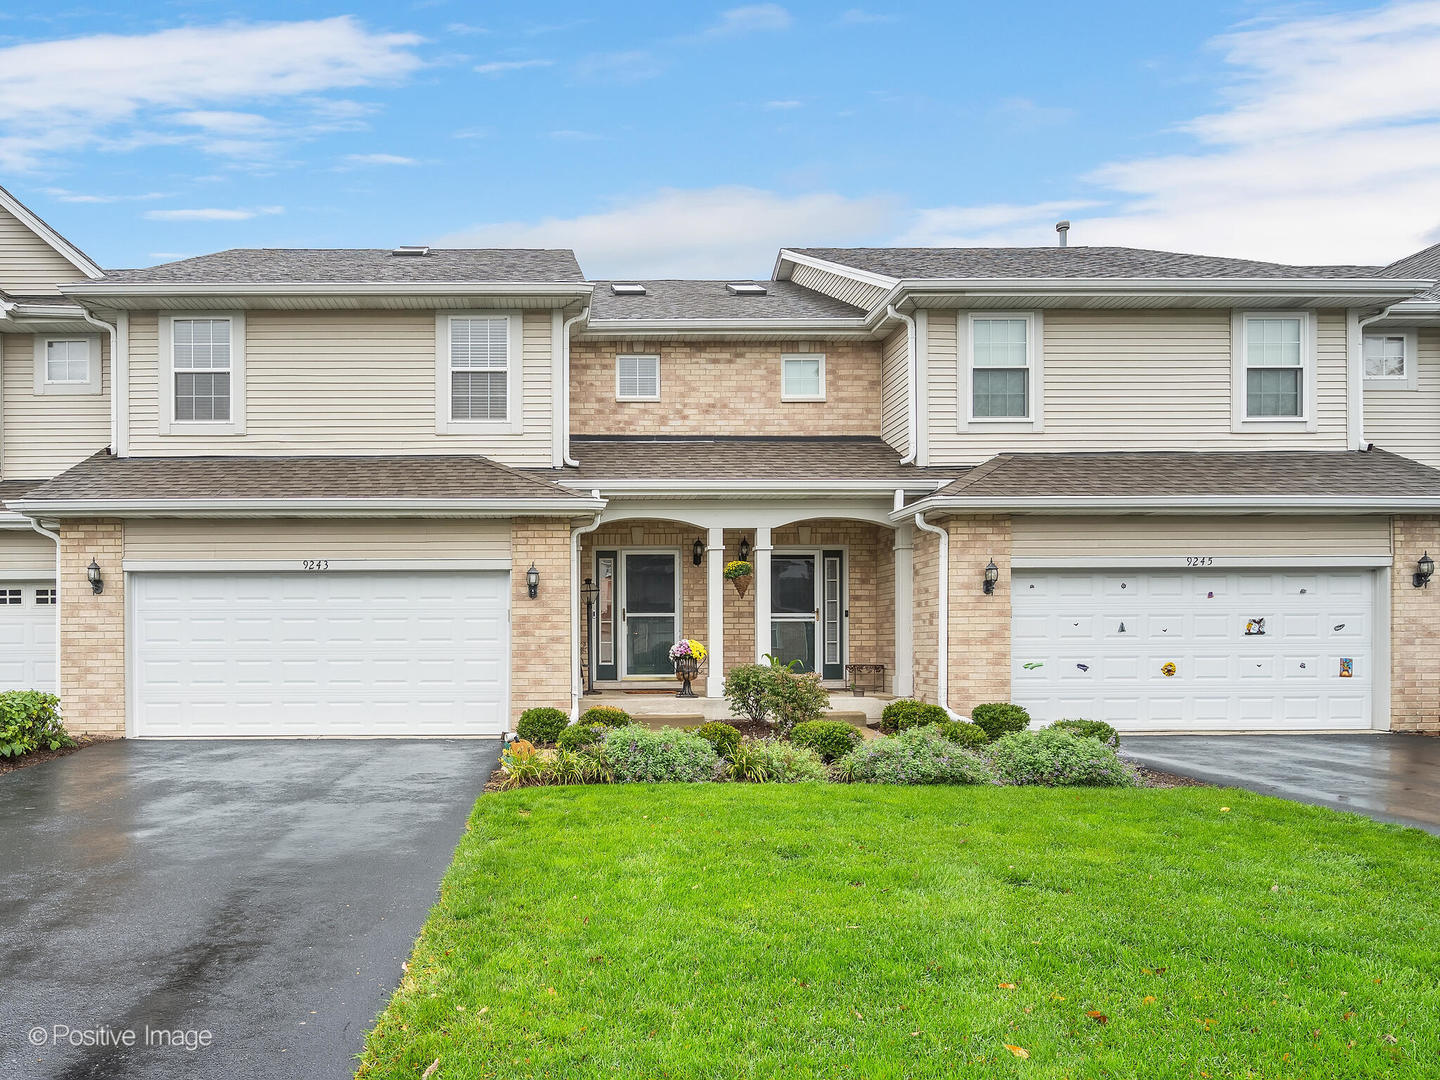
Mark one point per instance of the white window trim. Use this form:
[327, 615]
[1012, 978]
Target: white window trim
[1035, 389]
[637, 397]
[1239, 396]
[236, 424]
[1408, 381]
[92, 384]
[514, 422]
[784, 396]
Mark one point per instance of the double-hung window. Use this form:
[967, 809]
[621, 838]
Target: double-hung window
[1390, 360]
[477, 372]
[802, 377]
[1001, 381]
[67, 365]
[1276, 367]
[203, 373]
[637, 378]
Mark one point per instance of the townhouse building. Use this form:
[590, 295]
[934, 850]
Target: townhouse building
[412, 492]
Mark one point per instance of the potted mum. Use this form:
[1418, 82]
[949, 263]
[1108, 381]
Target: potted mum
[687, 655]
[738, 573]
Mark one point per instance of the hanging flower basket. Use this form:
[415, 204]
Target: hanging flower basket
[739, 573]
[687, 654]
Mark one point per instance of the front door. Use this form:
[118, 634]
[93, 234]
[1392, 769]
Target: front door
[807, 611]
[649, 611]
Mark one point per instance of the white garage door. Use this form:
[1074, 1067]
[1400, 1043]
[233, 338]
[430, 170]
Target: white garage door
[1100, 645]
[27, 635]
[330, 653]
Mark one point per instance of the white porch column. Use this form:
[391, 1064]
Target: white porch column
[761, 557]
[715, 611]
[904, 611]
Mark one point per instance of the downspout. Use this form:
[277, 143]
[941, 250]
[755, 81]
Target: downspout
[576, 687]
[942, 657]
[114, 333]
[565, 369]
[34, 524]
[1357, 372]
[912, 417]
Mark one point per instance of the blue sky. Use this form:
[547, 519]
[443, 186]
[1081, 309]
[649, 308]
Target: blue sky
[694, 139]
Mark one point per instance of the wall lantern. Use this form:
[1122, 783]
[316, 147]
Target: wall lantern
[992, 575]
[92, 574]
[1423, 570]
[744, 549]
[697, 551]
[532, 581]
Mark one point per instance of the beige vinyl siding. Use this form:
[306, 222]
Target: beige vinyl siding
[860, 293]
[1129, 380]
[1408, 421]
[27, 263]
[344, 382]
[894, 391]
[1231, 535]
[26, 550]
[317, 538]
[42, 435]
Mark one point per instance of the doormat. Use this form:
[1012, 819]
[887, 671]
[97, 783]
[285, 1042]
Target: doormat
[657, 690]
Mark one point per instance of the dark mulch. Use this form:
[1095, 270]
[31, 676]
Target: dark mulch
[1156, 778]
[39, 757]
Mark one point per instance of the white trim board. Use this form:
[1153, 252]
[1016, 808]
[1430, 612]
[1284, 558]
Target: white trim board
[1178, 562]
[333, 566]
[32, 221]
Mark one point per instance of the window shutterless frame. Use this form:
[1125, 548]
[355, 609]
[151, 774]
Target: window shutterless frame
[67, 364]
[1390, 359]
[802, 377]
[637, 377]
[1264, 372]
[467, 360]
[201, 368]
[1022, 369]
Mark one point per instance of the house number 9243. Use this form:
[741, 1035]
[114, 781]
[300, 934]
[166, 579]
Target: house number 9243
[315, 564]
[1199, 560]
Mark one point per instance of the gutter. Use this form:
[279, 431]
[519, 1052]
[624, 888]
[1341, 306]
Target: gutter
[576, 688]
[744, 486]
[1293, 504]
[98, 290]
[942, 655]
[1356, 398]
[300, 507]
[912, 385]
[565, 457]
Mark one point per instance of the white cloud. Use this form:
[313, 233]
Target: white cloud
[750, 19]
[116, 91]
[712, 232]
[979, 226]
[859, 17]
[634, 65]
[213, 214]
[503, 67]
[788, 103]
[380, 159]
[66, 196]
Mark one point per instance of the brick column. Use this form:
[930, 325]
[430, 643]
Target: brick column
[92, 629]
[1414, 627]
[540, 629]
[925, 615]
[979, 624]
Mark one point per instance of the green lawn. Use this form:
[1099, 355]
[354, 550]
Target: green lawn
[724, 930]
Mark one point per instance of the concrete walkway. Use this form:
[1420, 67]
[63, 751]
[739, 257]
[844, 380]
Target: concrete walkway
[1384, 776]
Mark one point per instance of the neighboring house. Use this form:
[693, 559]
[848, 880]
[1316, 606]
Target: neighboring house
[330, 474]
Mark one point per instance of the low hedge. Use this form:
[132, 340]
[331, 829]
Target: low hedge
[542, 725]
[606, 716]
[30, 721]
[721, 736]
[831, 739]
[582, 734]
[916, 756]
[638, 755]
[1000, 718]
[1051, 758]
[905, 713]
[959, 732]
[1090, 729]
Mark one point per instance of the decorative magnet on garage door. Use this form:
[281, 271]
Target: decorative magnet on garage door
[1122, 628]
[1083, 667]
[1255, 628]
[1302, 665]
[1122, 585]
[1339, 627]
[1347, 668]
[1168, 669]
[1304, 591]
[1033, 664]
[1209, 596]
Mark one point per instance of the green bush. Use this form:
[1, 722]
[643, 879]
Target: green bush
[638, 755]
[574, 767]
[29, 721]
[1090, 729]
[904, 713]
[541, 725]
[521, 766]
[745, 688]
[963, 734]
[916, 756]
[831, 739]
[580, 735]
[721, 736]
[772, 761]
[1058, 759]
[1000, 719]
[606, 716]
[794, 698]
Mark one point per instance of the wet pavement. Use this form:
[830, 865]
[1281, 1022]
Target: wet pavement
[1389, 777]
[265, 893]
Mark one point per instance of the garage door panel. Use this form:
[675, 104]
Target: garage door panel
[27, 636]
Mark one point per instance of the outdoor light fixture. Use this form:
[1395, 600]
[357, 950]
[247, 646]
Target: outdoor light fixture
[589, 592]
[97, 583]
[744, 550]
[697, 551]
[992, 575]
[532, 581]
[1423, 570]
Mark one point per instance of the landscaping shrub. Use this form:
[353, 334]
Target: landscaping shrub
[606, 716]
[521, 766]
[580, 735]
[963, 734]
[767, 761]
[721, 736]
[541, 725]
[638, 755]
[1000, 719]
[1090, 729]
[745, 687]
[574, 767]
[831, 739]
[916, 756]
[904, 713]
[793, 698]
[1058, 759]
[29, 721]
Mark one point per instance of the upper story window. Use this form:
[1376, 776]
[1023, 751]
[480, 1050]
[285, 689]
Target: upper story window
[203, 370]
[637, 378]
[802, 377]
[477, 373]
[1276, 368]
[67, 365]
[1390, 361]
[1001, 379]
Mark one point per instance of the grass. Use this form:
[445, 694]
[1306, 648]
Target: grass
[857, 931]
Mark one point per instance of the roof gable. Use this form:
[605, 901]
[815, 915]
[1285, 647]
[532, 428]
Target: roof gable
[33, 256]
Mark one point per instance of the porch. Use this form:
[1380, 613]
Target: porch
[661, 708]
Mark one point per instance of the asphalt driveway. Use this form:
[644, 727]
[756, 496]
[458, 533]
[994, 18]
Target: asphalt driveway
[1389, 777]
[265, 893]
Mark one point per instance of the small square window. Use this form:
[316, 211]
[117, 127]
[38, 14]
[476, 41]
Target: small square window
[45, 597]
[637, 378]
[9, 596]
[67, 365]
[802, 377]
[1390, 360]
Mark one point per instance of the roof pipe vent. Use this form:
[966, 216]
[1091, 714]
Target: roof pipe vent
[411, 250]
[1063, 228]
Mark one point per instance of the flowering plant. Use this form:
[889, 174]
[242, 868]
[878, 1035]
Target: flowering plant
[688, 647]
[738, 569]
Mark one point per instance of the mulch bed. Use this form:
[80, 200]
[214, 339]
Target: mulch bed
[39, 757]
[1156, 778]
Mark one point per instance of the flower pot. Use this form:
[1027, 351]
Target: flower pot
[742, 584]
[686, 668]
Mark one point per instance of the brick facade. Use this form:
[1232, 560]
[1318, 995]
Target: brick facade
[979, 624]
[1414, 623]
[725, 388]
[92, 629]
[540, 628]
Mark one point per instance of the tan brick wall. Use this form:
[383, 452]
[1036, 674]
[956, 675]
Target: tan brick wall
[92, 629]
[725, 388]
[540, 628]
[1414, 628]
[739, 610]
[979, 624]
[925, 563]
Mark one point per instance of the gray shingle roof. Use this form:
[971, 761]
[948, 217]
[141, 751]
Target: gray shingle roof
[1067, 262]
[10, 490]
[695, 299]
[360, 265]
[104, 477]
[1422, 264]
[739, 457]
[1298, 473]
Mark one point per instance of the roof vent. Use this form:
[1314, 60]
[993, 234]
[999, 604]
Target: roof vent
[1063, 228]
[745, 288]
[627, 288]
[412, 249]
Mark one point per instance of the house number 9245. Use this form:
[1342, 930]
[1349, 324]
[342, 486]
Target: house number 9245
[315, 564]
[1199, 560]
